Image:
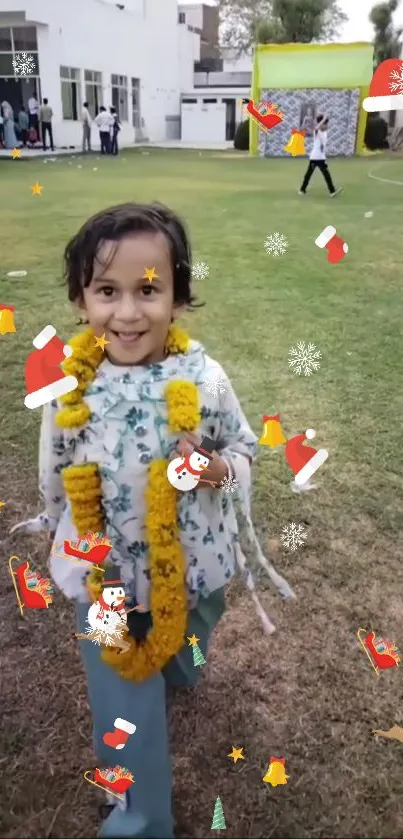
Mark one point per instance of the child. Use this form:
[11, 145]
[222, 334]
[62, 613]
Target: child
[104, 453]
[317, 157]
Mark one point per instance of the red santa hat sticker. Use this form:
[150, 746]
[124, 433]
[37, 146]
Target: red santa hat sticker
[386, 90]
[304, 460]
[44, 378]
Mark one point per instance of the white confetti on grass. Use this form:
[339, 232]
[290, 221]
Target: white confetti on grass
[215, 385]
[229, 485]
[200, 270]
[276, 244]
[23, 64]
[293, 536]
[304, 359]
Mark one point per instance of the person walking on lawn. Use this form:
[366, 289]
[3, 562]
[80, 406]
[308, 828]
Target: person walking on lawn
[104, 122]
[45, 116]
[317, 157]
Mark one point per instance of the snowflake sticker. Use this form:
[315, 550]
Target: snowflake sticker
[304, 359]
[200, 270]
[396, 80]
[229, 485]
[215, 385]
[293, 536]
[276, 244]
[24, 64]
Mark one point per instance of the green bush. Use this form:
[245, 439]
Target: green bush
[375, 133]
[241, 139]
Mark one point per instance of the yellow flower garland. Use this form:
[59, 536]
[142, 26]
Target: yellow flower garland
[82, 483]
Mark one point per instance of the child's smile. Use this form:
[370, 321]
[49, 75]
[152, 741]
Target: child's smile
[134, 312]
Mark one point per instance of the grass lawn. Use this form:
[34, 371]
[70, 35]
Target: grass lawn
[307, 693]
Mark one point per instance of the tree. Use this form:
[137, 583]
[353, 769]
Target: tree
[387, 38]
[218, 816]
[278, 21]
[198, 657]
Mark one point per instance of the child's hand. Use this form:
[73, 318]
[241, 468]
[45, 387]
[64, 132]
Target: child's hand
[217, 470]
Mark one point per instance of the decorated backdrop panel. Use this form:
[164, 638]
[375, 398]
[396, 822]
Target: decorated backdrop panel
[316, 74]
[300, 108]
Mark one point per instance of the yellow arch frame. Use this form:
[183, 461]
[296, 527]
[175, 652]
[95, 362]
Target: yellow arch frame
[256, 87]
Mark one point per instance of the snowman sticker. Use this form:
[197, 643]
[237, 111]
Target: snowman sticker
[185, 473]
[110, 608]
[107, 617]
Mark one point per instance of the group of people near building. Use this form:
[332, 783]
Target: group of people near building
[34, 126]
[29, 128]
[108, 125]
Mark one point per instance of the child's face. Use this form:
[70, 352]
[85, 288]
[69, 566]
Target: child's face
[134, 313]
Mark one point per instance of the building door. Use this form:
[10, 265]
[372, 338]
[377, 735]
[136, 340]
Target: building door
[136, 118]
[230, 118]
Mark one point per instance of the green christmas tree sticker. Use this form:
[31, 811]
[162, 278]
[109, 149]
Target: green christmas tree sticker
[198, 657]
[218, 816]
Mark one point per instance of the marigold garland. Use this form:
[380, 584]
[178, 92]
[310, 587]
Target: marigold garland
[167, 564]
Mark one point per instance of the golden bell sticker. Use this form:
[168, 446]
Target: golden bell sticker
[7, 319]
[296, 143]
[276, 774]
[272, 434]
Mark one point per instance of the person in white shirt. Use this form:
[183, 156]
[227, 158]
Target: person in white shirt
[104, 122]
[86, 121]
[317, 157]
[33, 113]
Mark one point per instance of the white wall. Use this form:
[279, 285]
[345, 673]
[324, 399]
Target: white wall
[145, 42]
[189, 52]
[231, 64]
[203, 123]
[194, 14]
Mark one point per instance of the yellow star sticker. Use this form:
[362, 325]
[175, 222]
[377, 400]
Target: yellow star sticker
[37, 189]
[16, 153]
[236, 754]
[101, 342]
[150, 274]
[2, 503]
[193, 640]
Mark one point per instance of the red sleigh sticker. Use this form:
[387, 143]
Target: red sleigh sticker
[381, 652]
[32, 590]
[116, 780]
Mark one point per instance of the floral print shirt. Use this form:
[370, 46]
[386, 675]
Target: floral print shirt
[128, 429]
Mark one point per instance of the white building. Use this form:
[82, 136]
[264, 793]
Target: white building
[134, 55]
[210, 110]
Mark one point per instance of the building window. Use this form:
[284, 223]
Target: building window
[6, 64]
[136, 103]
[392, 119]
[181, 17]
[25, 39]
[70, 82]
[93, 91]
[119, 96]
[14, 41]
[5, 39]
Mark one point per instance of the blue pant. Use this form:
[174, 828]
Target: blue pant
[146, 754]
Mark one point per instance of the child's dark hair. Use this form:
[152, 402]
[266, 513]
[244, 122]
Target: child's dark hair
[119, 221]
